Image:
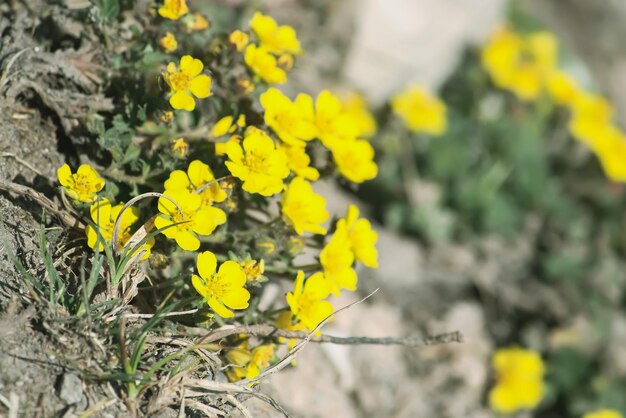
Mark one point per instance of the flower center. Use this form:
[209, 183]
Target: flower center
[178, 81]
[257, 163]
[217, 286]
[186, 218]
[82, 184]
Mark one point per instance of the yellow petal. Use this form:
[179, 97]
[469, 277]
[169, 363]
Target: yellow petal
[232, 272]
[207, 219]
[177, 180]
[200, 286]
[64, 173]
[220, 309]
[207, 263]
[191, 66]
[164, 225]
[187, 240]
[201, 86]
[237, 299]
[182, 100]
[199, 173]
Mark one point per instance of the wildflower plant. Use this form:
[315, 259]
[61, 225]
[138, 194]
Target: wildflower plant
[220, 192]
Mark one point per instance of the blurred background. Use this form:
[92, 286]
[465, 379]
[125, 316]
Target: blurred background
[506, 226]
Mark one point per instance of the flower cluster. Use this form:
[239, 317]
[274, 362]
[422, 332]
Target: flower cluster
[240, 188]
[519, 380]
[527, 66]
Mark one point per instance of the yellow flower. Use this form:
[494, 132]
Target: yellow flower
[179, 148]
[245, 85]
[520, 64]
[519, 380]
[304, 209]
[168, 42]
[291, 121]
[257, 163]
[611, 150]
[361, 237]
[287, 322]
[562, 88]
[222, 289]
[166, 116]
[299, 162]
[173, 9]
[253, 269]
[336, 259]
[276, 39]
[604, 413]
[333, 124]
[187, 82]
[264, 65]
[590, 115]
[194, 220]
[355, 160]
[249, 363]
[82, 185]
[285, 61]
[307, 302]
[354, 104]
[226, 126]
[420, 111]
[104, 216]
[222, 147]
[196, 22]
[239, 39]
[198, 175]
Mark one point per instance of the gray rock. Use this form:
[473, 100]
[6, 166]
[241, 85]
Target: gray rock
[70, 389]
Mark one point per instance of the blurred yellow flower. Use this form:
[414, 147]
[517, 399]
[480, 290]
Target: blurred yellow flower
[355, 105]
[226, 126]
[197, 22]
[248, 364]
[254, 269]
[336, 259]
[304, 209]
[173, 9]
[333, 124]
[291, 121]
[520, 64]
[420, 111]
[299, 162]
[361, 237]
[197, 177]
[194, 220]
[187, 82]
[168, 42]
[222, 289]
[604, 413]
[591, 114]
[264, 65]
[239, 39]
[83, 185]
[257, 163]
[519, 380]
[276, 39]
[611, 150]
[355, 160]
[307, 302]
[179, 148]
[562, 88]
[288, 322]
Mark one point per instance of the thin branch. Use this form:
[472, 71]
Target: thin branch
[209, 184]
[21, 161]
[43, 201]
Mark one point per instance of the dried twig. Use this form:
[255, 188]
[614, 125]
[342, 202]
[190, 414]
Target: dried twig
[271, 331]
[43, 201]
[21, 161]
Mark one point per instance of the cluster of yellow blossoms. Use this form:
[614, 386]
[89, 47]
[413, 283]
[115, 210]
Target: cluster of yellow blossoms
[269, 158]
[527, 66]
[420, 111]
